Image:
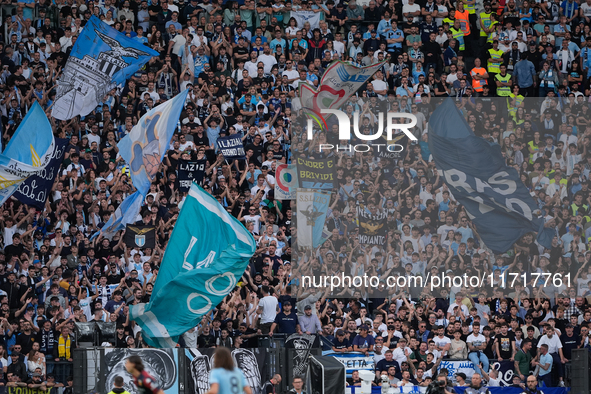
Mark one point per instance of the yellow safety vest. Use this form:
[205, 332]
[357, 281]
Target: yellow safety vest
[503, 91]
[518, 100]
[470, 7]
[449, 21]
[478, 84]
[494, 55]
[486, 22]
[490, 39]
[459, 36]
[464, 19]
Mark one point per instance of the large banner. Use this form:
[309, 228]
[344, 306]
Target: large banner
[286, 186]
[353, 361]
[200, 267]
[231, 147]
[373, 229]
[190, 171]
[161, 364]
[506, 373]
[35, 190]
[475, 171]
[316, 173]
[302, 17]
[339, 82]
[200, 361]
[147, 142]
[28, 152]
[456, 366]
[101, 59]
[311, 215]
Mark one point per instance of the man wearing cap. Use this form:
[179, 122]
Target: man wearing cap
[286, 321]
[569, 341]
[309, 322]
[17, 367]
[363, 342]
[341, 344]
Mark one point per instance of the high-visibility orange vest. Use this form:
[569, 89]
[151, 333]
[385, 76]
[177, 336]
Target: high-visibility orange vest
[478, 84]
[464, 18]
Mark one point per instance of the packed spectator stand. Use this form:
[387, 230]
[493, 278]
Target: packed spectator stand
[519, 72]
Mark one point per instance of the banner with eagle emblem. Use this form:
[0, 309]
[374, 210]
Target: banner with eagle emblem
[101, 60]
[140, 236]
[373, 229]
[311, 215]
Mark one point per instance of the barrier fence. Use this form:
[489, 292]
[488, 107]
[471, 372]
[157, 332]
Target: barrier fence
[181, 371]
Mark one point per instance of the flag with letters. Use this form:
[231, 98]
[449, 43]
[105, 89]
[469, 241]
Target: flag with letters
[35, 190]
[28, 152]
[207, 254]
[147, 142]
[496, 200]
[231, 147]
[101, 59]
[140, 237]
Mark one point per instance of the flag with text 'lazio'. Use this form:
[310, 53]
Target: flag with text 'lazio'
[28, 153]
[126, 213]
[145, 145]
[496, 200]
[207, 254]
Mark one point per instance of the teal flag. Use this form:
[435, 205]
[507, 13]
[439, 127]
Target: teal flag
[206, 256]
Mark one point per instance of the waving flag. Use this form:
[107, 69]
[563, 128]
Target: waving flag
[145, 145]
[339, 82]
[35, 190]
[206, 256]
[125, 214]
[101, 60]
[311, 215]
[28, 153]
[474, 170]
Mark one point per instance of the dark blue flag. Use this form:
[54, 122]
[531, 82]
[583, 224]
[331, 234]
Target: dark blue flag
[475, 171]
[231, 147]
[35, 190]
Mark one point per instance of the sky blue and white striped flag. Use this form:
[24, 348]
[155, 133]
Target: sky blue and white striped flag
[205, 258]
[102, 59]
[126, 213]
[28, 152]
[145, 145]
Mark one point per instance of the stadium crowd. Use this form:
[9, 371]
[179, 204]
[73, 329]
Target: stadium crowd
[519, 72]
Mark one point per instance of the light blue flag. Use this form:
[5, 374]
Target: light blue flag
[474, 169]
[125, 214]
[28, 153]
[101, 59]
[145, 145]
[312, 207]
[207, 254]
